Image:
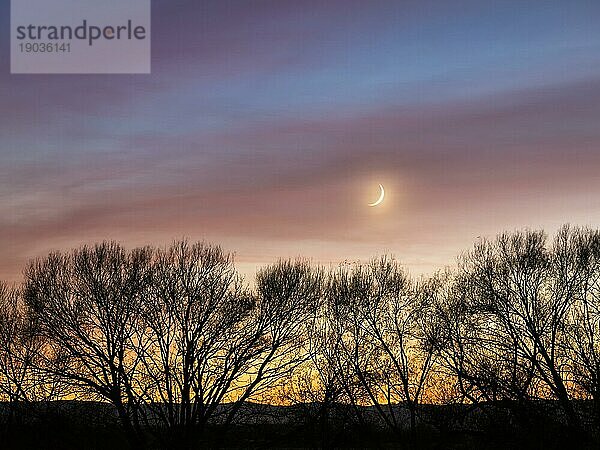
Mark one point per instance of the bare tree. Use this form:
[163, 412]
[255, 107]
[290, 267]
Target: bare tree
[478, 356]
[85, 304]
[209, 344]
[195, 338]
[15, 357]
[17, 380]
[287, 294]
[325, 387]
[385, 335]
[22, 383]
[523, 292]
[578, 275]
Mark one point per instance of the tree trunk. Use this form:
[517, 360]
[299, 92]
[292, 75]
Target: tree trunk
[412, 408]
[131, 434]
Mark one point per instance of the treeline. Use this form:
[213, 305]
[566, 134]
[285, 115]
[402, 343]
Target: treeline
[175, 340]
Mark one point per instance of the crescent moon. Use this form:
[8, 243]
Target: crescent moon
[381, 196]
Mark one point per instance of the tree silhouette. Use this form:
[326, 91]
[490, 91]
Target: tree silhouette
[384, 336]
[85, 304]
[180, 345]
[193, 338]
[580, 275]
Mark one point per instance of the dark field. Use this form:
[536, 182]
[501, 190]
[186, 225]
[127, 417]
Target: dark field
[90, 425]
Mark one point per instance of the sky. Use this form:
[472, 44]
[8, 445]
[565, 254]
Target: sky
[267, 126]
